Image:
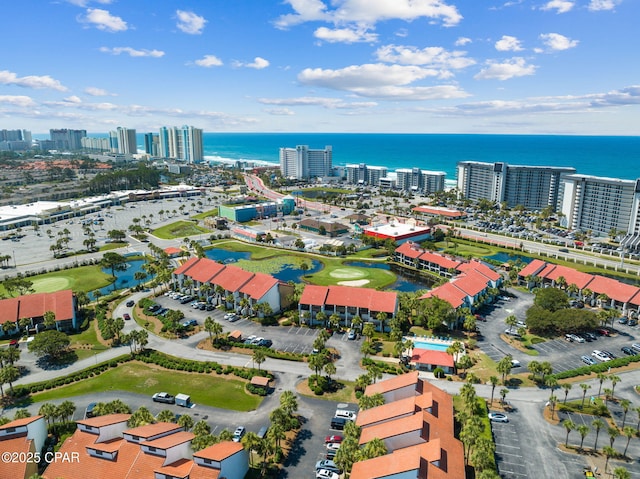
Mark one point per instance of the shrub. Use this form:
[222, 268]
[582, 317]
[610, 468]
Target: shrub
[439, 373]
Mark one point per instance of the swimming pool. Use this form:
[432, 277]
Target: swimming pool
[419, 343]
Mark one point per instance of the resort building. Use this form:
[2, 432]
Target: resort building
[24, 438]
[124, 141]
[104, 447]
[596, 290]
[363, 174]
[399, 233]
[416, 180]
[67, 140]
[534, 187]
[34, 306]
[226, 282]
[184, 143]
[303, 162]
[347, 302]
[600, 205]
[416, 424]
[252, 211]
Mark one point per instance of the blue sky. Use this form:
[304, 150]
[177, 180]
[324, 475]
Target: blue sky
[425, 66]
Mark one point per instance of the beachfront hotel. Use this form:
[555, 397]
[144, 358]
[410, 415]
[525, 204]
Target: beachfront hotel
[303, 162]
[416, 180]
[534, 187]
[363, 174]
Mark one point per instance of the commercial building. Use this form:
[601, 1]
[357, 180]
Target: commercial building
[303, 162]
[598, 204]
[363, 174]
[416, 425]
[398, 232]
[104, 447]
[184, 143]
[416, 180]
[270, 209]
[67, 140]
[534, 187]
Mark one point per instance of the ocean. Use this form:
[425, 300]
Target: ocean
[608, 156]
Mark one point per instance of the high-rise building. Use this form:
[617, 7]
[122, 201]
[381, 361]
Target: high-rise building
[420, 181]
[365, 174]
[152, 144]
[67, 140]
[534, 187]
[303, 162]
[600, 205]
[15, 135]
[96, 144]
[184, 143]
[127, 143]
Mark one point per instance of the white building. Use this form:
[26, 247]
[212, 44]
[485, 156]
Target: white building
[303, 162]
[419, 181]
[363, 174]
[600, 204]
[123, 141]
[184, 143]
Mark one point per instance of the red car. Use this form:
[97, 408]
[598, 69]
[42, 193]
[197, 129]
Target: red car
[335, 439]
[603, 332]
[126, 316]
[479, 317]
[14, 343]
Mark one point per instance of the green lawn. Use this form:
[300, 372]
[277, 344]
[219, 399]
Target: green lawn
[179, 229]
[206, 214]
[82, 278]
[207, 389]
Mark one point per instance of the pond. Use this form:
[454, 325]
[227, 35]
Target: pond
[405, 283]
[506, 257]
[124, 279]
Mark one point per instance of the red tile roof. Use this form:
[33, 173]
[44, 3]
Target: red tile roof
[107, 420]
[20, 422]
[447, 292]
[35, 305]
[429, 356]
[398, 382]
[171, 440]
[172, 250]
[440, 260]
[363, 298]
[532, 268]
[614, 289]
[410, 249]
[480, 268]
[151, 430]
[572, 276]
[185, 266]
[220, 451]
[16, 469]
[259, 285]
[471, 282]
[232, 278]
[180, 468]
[387, 411]
[204, 270]
[439, 211]
[314, 295]
[393, 428]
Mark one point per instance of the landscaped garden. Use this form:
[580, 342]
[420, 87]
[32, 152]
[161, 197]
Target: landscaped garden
[179, 229]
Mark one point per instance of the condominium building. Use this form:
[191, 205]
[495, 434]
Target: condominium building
[95, 144]
[419, 181]
[123, 141]
[184, 143]
[534, 187]
[600, 204]
[363, 174]
[152, 144]
[303, 162]
[67, 140]
[15, 135]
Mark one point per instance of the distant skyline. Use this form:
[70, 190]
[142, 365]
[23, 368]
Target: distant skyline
[566, 67]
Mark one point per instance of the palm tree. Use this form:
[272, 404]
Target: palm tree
[511, 321]
[621, 473]
[165, 416]
[614, 380]
[503, 394]
[583, 430]
[569, 425]
[584, 387]
[552, 405]
[494, 380]
[185, 422]
[625, 404]
[601, 379]
[629, 432]
[251, 442]
[567, 388]
[597, 424]
[613, 434]
[374, 448]
[608, 452]
[551, 383]
[258, 357]
[49, 411]
[66, 410]
[288, 402]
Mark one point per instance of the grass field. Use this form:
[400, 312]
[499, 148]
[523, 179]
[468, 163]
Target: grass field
[206, 214]
[179, 229]
[140, 378]
[82, 278]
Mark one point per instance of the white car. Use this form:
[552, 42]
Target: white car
[326, 474]
[333, 446]
[600, 356]
[498, 417]
[229, 316]
[515, 363]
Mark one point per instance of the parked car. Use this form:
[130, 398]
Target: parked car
[515, 363]
[603, 332]
[332, 438]
[126, 316]
[635, 347]
[326, 474]
[163, 397]
[628, 350]
[333, 445]
[89, 411]
[190, 322]
[351, 415]
[623, 320]
[328, 465]
[600, 356]
[130, 303]
[589, 361]
[238, 433]
[511, 332]
[610, 355]
[498, 417]
[352, 335]
[267, 343]
[228, 316]
[14, 343]
[632, 322]
[591, 336]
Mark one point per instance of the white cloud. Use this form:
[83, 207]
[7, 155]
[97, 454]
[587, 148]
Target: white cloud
[325, 102]
[258, 63]
[189, 22]
[279, 111]
[30, 81]
[599, 5]
[560, 6]
[132, 52]
[508, 44]
[516, 67]
[344, 35]
[462, 41]
[95, 91]
[17, 100]
[209, 61]
[73, 99]
[435, 57]
[84, 3]
[555, 41]
[103, 20]
[368, 12]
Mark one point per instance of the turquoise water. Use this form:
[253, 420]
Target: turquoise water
[505, 257]
[422, 344]
[592, 155]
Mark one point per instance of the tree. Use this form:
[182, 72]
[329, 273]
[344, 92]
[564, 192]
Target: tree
[258, 357]
[374, 448]
[585, 388]
[625, 404]
[494, 382]
[601, 379]
[114, 262]
[368, 331]
[50, 343]
[201, 428]
[49, 319]
[185, 422]
[49, 411]
[504, 367]
[569, 425]
[503, 394]
[165, 416]
[511, 321]
[141, 417]
[614, 380]
[288, 402]
[65, 410]
[567, 387]
[212, 327]
[597, 425]
[9, 374]
[609, 452]
[621, 473]
[629, 433]
[583, 430]
[613, 434]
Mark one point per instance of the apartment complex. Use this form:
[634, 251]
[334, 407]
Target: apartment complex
[67, 140]
[123, 141]
[416, 424]
[152, 144]
[534, 187]
[184, 143]
[15, 140]
[303, 162]
[600, 204]
[362, 174]
[416, 180]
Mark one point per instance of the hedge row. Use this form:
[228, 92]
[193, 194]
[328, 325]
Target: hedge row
[597, 368]
[384, 366]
